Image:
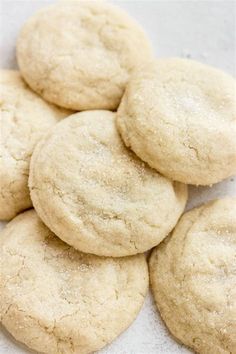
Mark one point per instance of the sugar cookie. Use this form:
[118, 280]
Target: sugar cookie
[193, 278]
[95, 194]
[89, 50]
[58, 300]
[24, 119]
[179, 116]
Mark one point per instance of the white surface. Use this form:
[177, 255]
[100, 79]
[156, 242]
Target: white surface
[202, 30]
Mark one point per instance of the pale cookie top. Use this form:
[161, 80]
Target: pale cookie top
[96, 194]
[193, 278]
[57, 300]
[179, 116]
[24, 118]
[89, 50]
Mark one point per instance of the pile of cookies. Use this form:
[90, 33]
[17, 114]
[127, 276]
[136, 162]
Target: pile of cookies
[109, 183]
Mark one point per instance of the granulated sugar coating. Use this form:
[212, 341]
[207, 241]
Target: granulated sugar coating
[99, 195]
[96, 194]
[179, 116]
[55, 299]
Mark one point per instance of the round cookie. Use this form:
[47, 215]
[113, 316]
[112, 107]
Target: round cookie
[89, 51]
[24, 119]
[179, 116]
[95, 194]
[193, 278]
[58, 300]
